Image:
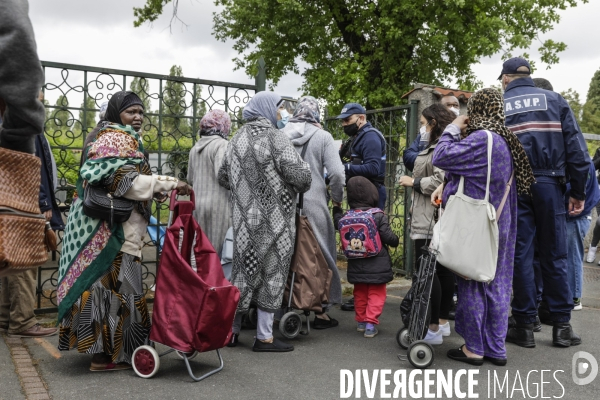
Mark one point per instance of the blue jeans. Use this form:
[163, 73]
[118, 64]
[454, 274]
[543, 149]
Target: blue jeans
[576, 231]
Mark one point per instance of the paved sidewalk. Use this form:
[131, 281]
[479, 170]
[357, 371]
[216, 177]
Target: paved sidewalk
[312, 371]
[591, 284]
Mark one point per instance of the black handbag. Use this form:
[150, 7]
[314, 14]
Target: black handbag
[99, 203]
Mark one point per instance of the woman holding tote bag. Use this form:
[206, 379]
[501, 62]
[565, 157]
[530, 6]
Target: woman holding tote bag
[462, 151]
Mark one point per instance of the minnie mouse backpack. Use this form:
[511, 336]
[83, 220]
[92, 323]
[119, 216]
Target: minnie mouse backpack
[359, 233]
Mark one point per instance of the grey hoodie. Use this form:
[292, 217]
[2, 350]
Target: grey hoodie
[21, 78]
[322, 155]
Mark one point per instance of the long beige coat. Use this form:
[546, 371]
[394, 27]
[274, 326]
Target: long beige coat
[421, 211]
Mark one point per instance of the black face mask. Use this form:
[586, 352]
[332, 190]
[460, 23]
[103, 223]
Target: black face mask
[351, 129]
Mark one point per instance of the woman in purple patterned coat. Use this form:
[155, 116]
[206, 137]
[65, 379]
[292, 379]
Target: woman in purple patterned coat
[482, 309]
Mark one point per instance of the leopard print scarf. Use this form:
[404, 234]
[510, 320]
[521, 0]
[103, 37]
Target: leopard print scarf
[486, 112]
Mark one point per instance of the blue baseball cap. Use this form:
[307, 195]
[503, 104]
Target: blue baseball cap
[351, 109]
[510, 67]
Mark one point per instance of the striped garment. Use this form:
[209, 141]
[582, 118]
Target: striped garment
[213, 207]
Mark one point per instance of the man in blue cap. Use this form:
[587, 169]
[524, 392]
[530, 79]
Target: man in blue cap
[546, 126]
[367, 153]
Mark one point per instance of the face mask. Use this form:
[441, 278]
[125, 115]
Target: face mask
[285, 117]
[456, 111]
[351, 129]
[424, 134]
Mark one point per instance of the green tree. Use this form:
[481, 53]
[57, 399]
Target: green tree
[591, 109]
[61, 119]
[572, 97]
[141, 87]
[373, 51]
[174, 105]
[200, 108]
[90, 116]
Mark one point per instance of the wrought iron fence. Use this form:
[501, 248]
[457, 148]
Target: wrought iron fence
[174, 106]
[399, 127]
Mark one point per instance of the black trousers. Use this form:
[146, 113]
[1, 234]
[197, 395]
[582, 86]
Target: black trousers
[442, 290]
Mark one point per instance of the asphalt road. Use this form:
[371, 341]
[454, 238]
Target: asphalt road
[312, 370]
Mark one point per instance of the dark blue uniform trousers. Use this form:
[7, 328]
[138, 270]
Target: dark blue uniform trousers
[542, 221]
[382, 196]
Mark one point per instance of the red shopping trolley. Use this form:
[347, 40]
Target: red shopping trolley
[194, 305]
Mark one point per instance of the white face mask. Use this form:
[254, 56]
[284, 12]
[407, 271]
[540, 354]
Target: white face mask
[455, 110]
[424, 134]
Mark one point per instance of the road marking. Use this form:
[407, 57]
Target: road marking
[53, 351]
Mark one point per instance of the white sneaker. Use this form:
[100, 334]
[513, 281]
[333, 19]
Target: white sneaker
[434, 338]
[591, 255]
[445, 329]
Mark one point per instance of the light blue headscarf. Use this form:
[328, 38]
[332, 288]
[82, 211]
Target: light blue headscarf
[263, 104]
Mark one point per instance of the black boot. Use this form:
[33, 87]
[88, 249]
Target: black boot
[537, 325]
[521, 335]
[349, 305]
[564, 336]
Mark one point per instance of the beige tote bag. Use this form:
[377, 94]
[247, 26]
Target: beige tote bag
[466, 236]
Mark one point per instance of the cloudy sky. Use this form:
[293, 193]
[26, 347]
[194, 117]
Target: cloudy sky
[101, 33]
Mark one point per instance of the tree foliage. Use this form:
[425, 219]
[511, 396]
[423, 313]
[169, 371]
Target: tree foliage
[87, 118]
[591, 108]
[373, 51]
[174, 104]
[141, 87]
[572, 97]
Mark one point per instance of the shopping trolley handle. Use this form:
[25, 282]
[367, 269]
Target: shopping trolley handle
[173, 201]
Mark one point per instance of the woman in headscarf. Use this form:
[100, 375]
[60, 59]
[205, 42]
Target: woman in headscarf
[110, 112]
[213, 209]
[306, 133]
[482, 309]
[264, 173]
[425, 179]
[101, 306]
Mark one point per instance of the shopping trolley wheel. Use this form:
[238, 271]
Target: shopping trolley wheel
[252, 317]
[190, 356]
[402, 338]
[145, 361]
[290, 325]
[420, 354]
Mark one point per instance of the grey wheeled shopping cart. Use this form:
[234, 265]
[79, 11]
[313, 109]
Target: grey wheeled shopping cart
[419, 353]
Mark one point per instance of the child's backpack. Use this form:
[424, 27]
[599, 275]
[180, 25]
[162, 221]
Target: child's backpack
[359, 233]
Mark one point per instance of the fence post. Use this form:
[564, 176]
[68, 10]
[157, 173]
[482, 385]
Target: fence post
[261, 77]
[411, 134]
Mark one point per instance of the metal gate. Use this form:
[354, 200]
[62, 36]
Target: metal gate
[399, 126]
[174, 107]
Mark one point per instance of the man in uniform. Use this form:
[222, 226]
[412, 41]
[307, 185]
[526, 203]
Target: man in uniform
[546, 126]
[368, 148]
[367, 155]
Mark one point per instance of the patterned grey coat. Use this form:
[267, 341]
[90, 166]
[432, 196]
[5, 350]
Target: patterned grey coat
[264, 174]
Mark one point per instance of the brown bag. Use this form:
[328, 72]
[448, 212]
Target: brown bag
[312, 276]
[22, 225]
